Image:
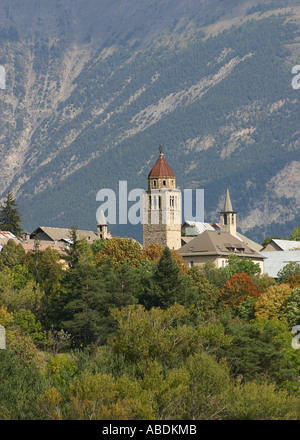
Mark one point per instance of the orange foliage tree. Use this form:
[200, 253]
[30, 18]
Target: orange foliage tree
[153, 252]
[120, 250]
[294, 281]
[238, 288]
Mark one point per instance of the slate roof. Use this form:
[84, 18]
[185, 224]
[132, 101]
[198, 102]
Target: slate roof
[63, 234]
[256, 246]
[102, 220]
[287, 245]
[228, 204]
[218, 243]
[30, 246]
[196, 228]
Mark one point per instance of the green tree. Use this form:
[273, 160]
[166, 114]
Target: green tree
[207, 293]
[257, 353]
[216, 276]
[168, 286]
[102, 397]
[88, 294]
[12, 254]
[292, 310]
[16, 294]
[289, 270]
[20, 387]
[10, 219]
[208, 389]
[79, 308]
[254, 401]
[73, 252]
[152, 334]
[47, 270]
[28, 323]
[239, 265]
[295, 235]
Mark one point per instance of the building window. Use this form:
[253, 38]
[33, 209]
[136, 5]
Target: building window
[191, 264]
[164, 183]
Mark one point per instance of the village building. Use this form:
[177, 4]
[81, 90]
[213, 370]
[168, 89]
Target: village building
[281, 245]
[60, 239]
[279, 253]
[276, 260]
[196, 242]
[216, 244]
[5, 236]
[60, 235]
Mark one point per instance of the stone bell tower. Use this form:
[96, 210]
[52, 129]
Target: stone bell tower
[162, 207]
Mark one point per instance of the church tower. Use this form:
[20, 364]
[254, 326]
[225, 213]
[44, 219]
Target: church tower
[228, 217]
[162, 207]
[102, 226]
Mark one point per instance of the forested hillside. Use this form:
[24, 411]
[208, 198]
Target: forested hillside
[92, 92]
[131, 334]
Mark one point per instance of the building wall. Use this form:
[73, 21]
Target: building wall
[42, 236]
[272, 247]
[161, 182]
[219, 262]
[198, 260]
[162, 218]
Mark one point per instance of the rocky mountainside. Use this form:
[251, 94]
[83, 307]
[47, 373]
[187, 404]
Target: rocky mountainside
[93, 88]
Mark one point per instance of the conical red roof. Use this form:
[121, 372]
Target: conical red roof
[161, 168]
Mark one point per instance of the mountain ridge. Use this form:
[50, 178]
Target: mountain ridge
[83, 110]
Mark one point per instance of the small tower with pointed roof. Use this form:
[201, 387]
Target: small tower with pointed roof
[162, 207]
[228, 216]
[102, 226]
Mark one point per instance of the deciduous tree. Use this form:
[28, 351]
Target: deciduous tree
[120, 250]
[273, 301]
[237, 289]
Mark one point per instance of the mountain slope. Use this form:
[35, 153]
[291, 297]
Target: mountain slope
[92, 93]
